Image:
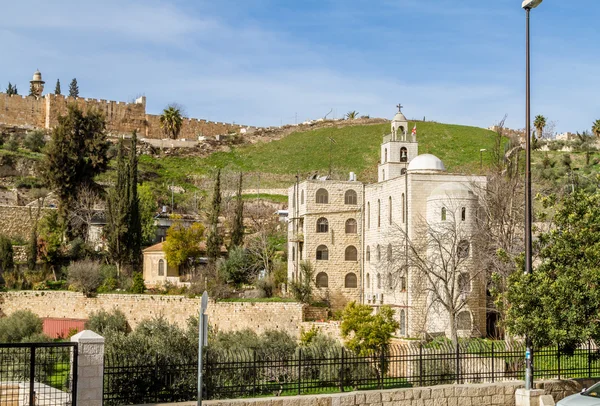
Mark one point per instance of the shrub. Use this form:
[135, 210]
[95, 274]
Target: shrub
[6, 255]
[102, 322]
[20, 326]
[34, 141]
[302, 289]
[138, 283]
[85, 276]
[12, 144]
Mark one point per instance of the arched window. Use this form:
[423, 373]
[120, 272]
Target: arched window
[464, 283]
[322, 280]
[463, 321]
[403, 209]
[390, 281]
[302, 197]
[462, 249]
[293, 253]
[463, 214]
[368, 282]
[385, 156]
[383, 174]
[402, 323]
[403, 171]
[402, 282]
[390, 209]
[378, 253]
[350, 197]
[443, 214]
[403, 154]
[378, 213]
[368, 214]
[161, 267]
[368, 254]
[351, 226]
[350, 281]
[378, 281]
[322, 253]
[322, 225]
[389, 252]
[351, 253]
[322, 196]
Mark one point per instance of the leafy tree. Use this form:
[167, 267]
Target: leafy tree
[34, 141]
[20, 326]
[6, 255]
[76, 154]
[558, 303]
[183, 242]
[148, 209]
[138, 283]
[352, 115]
[596, 128]
[134, 234]
[74, 88]
[366, 332]
[237, 233]
[57, 88]
[237, 268]
[102, 322]
[50, 241]
[12, 144]
[171, 121]
[117, 210]
[539, 123]
[11, 89]
[85, 276]
[302, 289]
[215, 239]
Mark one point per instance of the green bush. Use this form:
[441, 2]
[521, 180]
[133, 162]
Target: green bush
[34, 141]
[21, 326]
[102, 322]
[12, 144]
[6, 255]
[138, 283]
[85, 276]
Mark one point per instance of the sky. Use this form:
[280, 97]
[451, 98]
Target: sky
[272, 62]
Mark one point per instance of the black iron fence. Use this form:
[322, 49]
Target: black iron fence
[38, 373]
[229, 374]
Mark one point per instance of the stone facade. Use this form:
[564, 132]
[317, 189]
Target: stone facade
[121, 117]
[225, 316]
[18, 221]
[414, 195]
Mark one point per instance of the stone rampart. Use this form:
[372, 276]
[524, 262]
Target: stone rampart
[225, 316]
[22, 110]
[18, 221]
[191, 128]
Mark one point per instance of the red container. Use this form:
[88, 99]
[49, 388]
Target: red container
[62, 328]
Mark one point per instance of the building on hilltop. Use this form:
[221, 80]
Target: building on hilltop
[405, 241]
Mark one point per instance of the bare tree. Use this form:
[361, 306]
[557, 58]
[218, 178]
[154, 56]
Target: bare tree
[85, 209]
[441, 264]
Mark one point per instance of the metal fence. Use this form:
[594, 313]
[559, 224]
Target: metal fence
[38, 373]
[237, 374]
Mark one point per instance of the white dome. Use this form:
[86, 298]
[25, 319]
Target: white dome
[426, 162]
[453, 189]
[399, 117]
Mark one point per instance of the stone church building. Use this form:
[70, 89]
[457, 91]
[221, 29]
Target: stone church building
[405, 241]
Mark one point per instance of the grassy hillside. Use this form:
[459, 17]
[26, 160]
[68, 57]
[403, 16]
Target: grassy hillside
[356, 149]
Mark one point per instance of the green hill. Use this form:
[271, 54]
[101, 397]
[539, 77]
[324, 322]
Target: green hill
[356, 149]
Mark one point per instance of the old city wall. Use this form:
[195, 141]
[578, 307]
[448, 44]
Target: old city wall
[191, 128]
[225, 316]
[18, 221]
[22, 110]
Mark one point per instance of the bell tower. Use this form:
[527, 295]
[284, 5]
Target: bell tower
[397, 149]
[37, 84]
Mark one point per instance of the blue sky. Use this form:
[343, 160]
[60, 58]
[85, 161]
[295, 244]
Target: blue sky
[262, 62]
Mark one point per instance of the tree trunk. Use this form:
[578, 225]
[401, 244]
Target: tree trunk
[453, 331]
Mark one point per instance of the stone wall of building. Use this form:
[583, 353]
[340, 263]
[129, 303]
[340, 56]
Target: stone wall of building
[22, 110]
[225, 316]
[17, 221]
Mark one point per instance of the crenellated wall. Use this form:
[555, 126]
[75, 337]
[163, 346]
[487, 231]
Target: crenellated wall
[121, 117]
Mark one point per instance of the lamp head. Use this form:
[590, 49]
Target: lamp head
[531, 4]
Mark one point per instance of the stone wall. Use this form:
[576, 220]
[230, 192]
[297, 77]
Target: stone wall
[22, 110]
[191, 128]
[225, 316]
[17, 221]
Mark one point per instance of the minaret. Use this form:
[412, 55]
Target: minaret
[397, 150]
[37, 84]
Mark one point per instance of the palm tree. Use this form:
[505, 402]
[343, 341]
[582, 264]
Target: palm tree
[596, 128]
[539, 123]
[170, 121]
[352, 115]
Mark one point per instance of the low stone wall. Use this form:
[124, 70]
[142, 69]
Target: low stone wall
[225, 316]
[18, 221]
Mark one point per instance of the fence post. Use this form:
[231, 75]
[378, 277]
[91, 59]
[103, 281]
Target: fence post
[558, 357]
[299, 370]
[421, 364]
[32, 375]
[90, 368]
[457, 363]
[342, 373]
[381, 367]
[254, 373]
[493, 369]
[589, 359]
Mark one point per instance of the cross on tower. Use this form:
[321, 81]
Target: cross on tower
[399, 107]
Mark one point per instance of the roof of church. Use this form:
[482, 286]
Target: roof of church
[426, 162]
[399, 117]
[453, 189]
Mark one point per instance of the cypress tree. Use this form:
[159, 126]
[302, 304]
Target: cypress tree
[73, 88]
[135, 224]
[57, 88]
[33, 252]
[237, 234]
[215, 240]
[117, 213]
[11, 89]
[6, 255]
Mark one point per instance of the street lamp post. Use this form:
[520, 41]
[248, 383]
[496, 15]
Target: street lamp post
[528, 5]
